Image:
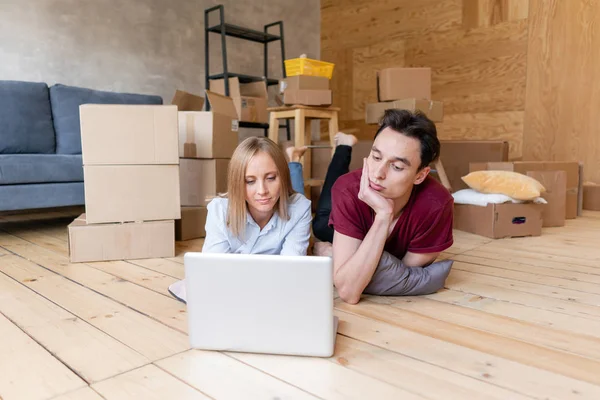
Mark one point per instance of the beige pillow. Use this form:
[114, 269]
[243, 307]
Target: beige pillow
[509, 183]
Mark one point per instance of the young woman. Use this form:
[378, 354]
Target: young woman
[262, 211]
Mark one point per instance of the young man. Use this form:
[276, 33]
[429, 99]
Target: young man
[389, 219]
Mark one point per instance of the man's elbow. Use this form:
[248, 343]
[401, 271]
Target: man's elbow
[347, 294]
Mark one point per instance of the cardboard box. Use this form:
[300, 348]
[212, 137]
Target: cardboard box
[202, 179]
[307, 97]
[192, 223]
[580, 192]
[209, 134]
[574, 184]
[555, 182]
[499, 220]
[433, 109]
[404, 83]
[456, 155]
[187, 102]
[250, 99]
[125, 193]
[129, 134]
[128, 241]
[591, 197]
[305, 82]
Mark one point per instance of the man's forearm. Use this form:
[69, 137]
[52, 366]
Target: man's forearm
[354, 275]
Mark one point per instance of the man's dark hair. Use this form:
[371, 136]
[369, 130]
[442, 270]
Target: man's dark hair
[415, 125]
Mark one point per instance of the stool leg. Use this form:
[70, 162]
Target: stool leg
[274, 127]
[307, 166]
[333, 129]
[299, 133]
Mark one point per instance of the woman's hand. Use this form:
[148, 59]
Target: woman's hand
[383, 207]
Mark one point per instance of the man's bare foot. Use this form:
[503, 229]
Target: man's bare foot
[295, 153]
[323, 249]
[345, 139]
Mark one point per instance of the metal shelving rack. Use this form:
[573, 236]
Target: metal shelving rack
[224, 30]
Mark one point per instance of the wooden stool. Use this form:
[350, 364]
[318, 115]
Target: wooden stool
[303, 115]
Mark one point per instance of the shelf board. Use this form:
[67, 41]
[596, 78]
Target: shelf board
[245, 78]
[257, 125]
[245, 33]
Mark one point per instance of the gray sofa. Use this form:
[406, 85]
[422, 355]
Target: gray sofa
[40, 142]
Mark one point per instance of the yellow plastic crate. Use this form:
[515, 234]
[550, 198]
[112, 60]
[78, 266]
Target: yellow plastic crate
[306, 66]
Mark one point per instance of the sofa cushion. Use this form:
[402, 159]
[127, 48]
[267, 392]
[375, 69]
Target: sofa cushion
[25, 118]
[40, 168]
[65, 102]
[41, 195]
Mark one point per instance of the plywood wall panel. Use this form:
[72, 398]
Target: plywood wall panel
[478, 72]
[486, 126]
[366, 62]
[350, 24]
[562, 121]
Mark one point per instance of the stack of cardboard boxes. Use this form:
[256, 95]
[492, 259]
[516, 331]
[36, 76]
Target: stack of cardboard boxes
[131, 181]
[207, 140]
[404, 88]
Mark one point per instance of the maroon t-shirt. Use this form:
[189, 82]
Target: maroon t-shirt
[425, 225]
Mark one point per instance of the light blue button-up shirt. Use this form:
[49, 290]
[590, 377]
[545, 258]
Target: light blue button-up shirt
[277, 237]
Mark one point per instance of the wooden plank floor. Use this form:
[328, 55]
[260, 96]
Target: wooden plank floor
[519, 319]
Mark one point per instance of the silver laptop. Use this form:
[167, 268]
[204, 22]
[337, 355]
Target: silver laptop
[260, 303]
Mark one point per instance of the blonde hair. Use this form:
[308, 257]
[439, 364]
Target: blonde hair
[237, 209]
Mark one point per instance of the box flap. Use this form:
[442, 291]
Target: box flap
[218, 86]
[187, 102]
[254, 89]
[221, 104]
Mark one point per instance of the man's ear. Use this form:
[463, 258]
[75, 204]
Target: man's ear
[421, 175]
